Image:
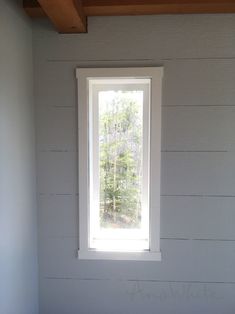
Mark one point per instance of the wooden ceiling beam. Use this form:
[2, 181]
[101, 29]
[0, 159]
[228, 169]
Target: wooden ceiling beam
[67, 15]
[33, 9]
[148, 7]
[141, 7]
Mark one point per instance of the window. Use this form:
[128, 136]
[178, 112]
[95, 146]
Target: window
[119, 114]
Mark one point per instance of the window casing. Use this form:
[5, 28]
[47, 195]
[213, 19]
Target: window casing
[124, 89]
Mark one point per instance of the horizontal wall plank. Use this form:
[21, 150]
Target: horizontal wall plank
[58, 216]
[181, 260]
[57, 173]
[115, 297]
[181, 217]
[198, 174]
[198, 128]
[200, 82]
[55, 84]
[198, 217]
[57, 128]
[187, 36]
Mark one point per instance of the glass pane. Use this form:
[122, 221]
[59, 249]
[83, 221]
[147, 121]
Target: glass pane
[120, 158]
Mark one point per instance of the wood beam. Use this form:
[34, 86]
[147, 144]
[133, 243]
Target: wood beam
[70, 16]
[67, 15]
[33, 9]
[147, 7]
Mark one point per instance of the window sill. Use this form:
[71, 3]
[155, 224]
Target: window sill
[119, 256]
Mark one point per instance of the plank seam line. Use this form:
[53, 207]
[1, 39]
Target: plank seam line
[162, 195]
[197, 195]
[141, 280]
[162, 151]
[142, 59]
[193, 106]
[163, 106]
[43, 236]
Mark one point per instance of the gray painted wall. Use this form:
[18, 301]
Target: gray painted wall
[197, 273]
[18, 229]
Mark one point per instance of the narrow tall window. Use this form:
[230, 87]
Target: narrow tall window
[119, 208]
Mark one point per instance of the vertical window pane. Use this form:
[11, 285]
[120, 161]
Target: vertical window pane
[120, 159]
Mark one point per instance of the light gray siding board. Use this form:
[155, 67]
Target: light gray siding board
[198, 174]
[123, 297]
[181, 260]
[198, 217]
[57, 173]
[198, 128]
[57, 129]
[58, 216]
[200, 82]
[55, 84]
[116, 38]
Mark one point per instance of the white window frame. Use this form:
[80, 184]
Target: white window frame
[84, 76]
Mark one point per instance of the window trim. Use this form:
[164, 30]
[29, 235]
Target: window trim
[155, 74]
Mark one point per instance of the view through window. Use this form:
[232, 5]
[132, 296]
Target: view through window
[120, 158]
[119, 125]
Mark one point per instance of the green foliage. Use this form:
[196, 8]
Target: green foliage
[120, 133]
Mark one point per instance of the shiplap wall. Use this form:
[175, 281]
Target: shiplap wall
[197, 273]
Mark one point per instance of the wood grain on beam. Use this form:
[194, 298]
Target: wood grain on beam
[66, 15]
[142, 7]
[33, 9]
